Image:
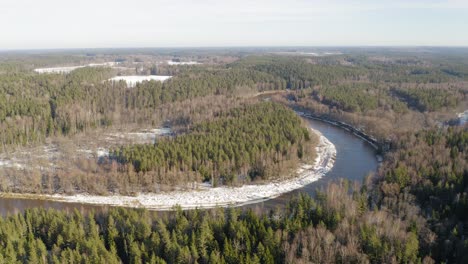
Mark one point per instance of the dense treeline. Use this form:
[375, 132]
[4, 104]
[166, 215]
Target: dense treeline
[413, 211]
[75, 173]
[350, 98]
[33, 107]
[430, 99]
[336, 226]
[252, 142]
[362, 97]
[303, 71]
[297, 72]
[260, 141]
[411, 68]
[430, 169]
[366, 85]
[204, 83]
[382, 109]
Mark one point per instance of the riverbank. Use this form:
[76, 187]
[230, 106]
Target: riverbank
[210, 197]
[381, 147]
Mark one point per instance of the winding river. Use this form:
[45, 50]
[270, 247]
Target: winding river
[355, 158]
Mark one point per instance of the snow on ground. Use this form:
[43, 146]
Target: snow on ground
[170, 62]
[141, 137]
[313, 54]
[220, 196]
[149, 135]
[58, 69]
[102, 152]
[72, 68]
[89, 146]
[98, 152]
[132, 80]
[11, 164]
[463, 117]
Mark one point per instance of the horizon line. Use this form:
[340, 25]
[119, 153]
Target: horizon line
[231, 47]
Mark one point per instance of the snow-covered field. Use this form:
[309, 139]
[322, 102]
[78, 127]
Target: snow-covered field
[170, 62]
[72, 68]
[132, 80]
[314, 54]
[220, 196]
[320, 54]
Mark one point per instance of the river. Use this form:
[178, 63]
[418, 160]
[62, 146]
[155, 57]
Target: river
[355, 158]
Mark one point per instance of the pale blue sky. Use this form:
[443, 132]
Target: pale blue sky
[33, 24]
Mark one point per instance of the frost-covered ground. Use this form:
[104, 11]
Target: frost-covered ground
[463, 117]
[208, 197]
[170, 62]
[132, 80]
[11, 164]
[72, 68]
[141, 137]
[91, 145]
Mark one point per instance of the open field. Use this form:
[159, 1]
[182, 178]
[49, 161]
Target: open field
[68, 69]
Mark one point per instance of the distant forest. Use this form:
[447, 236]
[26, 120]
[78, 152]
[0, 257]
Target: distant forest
[34, 107]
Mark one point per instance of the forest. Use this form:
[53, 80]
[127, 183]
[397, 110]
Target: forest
[430, 169]
[255, 142]
[34, 107]
[389, 219]
[251, 142]
[411, 210]
[336, 226]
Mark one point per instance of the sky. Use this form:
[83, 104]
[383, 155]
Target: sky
[56, 24]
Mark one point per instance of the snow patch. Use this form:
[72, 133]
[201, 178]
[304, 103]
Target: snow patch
[11, 164]
[132, 80]
[72, 68]
[313, 54]
[463, 117]
[170, 62]
[102, 152]
[145, 136]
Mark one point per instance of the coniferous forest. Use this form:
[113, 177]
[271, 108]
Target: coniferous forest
[232, 122]
[254, 142]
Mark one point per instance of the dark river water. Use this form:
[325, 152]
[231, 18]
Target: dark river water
[355, 158]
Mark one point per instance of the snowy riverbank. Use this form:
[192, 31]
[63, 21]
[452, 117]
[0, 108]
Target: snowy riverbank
[463, 118]
[219, 196]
